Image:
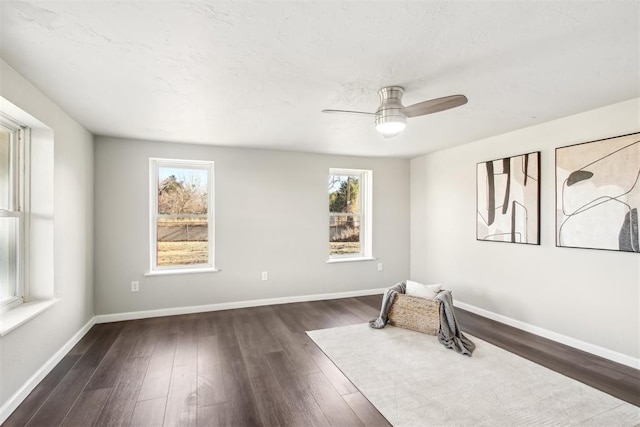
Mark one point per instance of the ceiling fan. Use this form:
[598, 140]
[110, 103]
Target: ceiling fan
[391, 116]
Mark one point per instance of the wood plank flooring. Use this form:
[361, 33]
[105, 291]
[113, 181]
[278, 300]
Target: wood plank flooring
[250, 367]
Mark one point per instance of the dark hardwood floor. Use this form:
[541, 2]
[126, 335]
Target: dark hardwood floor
[253, 366]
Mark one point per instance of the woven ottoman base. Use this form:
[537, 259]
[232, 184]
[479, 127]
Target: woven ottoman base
[417, 314]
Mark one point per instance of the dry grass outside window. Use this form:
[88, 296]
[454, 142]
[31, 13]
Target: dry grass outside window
[182, 253]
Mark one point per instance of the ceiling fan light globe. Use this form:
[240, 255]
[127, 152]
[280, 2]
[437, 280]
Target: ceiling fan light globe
[391, 126]
[390, 135]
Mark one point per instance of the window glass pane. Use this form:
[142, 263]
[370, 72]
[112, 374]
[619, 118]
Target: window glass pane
[344, 234]
[182, 191]
[182, 241]
[344, 194]
[5, 169]
[8, 257]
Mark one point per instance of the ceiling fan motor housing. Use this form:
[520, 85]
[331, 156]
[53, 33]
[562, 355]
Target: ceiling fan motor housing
[390, 120]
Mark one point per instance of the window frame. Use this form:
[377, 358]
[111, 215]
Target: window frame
[365, 189]
[154, 165]
[18, 208]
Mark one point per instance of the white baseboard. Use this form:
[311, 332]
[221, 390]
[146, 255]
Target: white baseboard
[172, 311]
[14, 401]
[554, 336]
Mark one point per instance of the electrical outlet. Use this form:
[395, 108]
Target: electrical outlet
[379, 266]
[265, 275]
[135, 286]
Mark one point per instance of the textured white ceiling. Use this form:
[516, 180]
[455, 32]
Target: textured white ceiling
[257, 74]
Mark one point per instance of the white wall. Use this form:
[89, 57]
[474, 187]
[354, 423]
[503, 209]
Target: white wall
[26, 349]
[588, 295]
[271, 215]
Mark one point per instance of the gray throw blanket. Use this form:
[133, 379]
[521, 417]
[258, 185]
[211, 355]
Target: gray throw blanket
[449, 335]
[387, 300]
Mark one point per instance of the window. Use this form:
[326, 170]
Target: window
[182, 238]
[350, 209]
[13, 228]
[27, 285]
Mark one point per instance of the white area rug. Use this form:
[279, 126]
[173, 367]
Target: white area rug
[415, 381]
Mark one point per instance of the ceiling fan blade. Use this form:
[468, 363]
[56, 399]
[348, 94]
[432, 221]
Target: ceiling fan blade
[349, 112]
[434, 105]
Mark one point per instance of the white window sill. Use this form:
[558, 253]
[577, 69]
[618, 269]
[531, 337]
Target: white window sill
[15, 317]
[350, 259]
[169, 272]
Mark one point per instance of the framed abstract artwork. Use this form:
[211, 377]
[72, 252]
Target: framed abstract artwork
[598, 194]
[508, 199]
